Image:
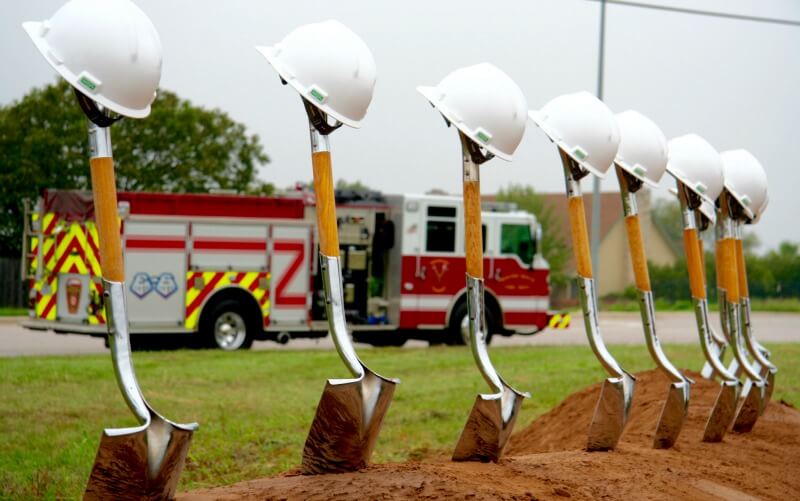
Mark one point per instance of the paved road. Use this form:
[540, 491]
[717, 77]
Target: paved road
[618, 328]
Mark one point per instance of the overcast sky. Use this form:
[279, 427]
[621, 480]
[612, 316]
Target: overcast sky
[736, 83]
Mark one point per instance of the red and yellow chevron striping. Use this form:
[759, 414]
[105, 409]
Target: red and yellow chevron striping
[200, 286]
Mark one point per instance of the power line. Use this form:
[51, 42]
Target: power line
[699, 12]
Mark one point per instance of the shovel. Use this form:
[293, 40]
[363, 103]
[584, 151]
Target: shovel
[676, 406]
[616, 394]
[753, 402]
[724, 410]
[350, 411]
[760, 354]
[143, 462]
[493, 415]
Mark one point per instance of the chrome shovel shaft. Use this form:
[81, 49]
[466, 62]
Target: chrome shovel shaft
[616, 394]
[143, 462]
[493, 415]
[724, 409]
[350, 411]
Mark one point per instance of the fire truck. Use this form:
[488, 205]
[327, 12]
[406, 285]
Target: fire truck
[231, 269]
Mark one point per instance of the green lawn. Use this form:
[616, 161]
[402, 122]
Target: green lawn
[10, 311]
[255, 408]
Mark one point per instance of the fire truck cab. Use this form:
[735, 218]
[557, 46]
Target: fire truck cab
[232, 269]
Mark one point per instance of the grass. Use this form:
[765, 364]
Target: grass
[255, 408]
[10, 311]
[785, 305]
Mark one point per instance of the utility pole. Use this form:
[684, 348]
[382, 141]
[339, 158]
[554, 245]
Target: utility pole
[595, 229]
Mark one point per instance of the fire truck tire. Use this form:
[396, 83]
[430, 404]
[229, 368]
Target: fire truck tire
[228, 326]
[457, 331]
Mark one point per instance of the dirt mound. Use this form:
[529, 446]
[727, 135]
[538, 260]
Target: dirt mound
[546, 460]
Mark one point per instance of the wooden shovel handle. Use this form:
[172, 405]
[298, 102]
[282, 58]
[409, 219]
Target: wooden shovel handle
[473, 235]
[326, 204]
[104, 191]
[728, 269]
[744, 290]
[718, 263]
[580, 237]
[697, 280]
[638, 256]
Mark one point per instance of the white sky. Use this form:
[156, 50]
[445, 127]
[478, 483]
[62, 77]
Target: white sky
[734, 82]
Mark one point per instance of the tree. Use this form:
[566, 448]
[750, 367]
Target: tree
[551, 246]
[178, 148]
[341, 184]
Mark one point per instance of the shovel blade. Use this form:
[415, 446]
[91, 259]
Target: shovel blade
[750, 409]
[673, 415]
[347, 423]
[610, 413]
[721, 417]
[487, 430]
[123, 468]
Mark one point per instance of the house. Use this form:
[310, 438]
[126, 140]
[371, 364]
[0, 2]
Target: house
[614, 272]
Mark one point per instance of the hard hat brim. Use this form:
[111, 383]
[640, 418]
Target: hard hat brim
[748, 212]
[269, 53]
[430, 93]
[538, 119]
[688, 183]
[630, 170]
[33, 29]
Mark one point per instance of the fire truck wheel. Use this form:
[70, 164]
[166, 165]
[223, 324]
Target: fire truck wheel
[227, 328]
[458, 330]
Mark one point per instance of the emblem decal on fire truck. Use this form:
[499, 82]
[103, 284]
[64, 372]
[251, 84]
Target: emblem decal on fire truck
[166, 285]
[141, 285]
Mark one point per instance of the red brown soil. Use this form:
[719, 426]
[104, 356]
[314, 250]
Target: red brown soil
[546, 460]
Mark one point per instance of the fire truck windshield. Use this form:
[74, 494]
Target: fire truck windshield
[516, 239]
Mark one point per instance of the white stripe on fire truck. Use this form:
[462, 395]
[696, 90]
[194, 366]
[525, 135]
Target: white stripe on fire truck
[524, 304]
[425, 302]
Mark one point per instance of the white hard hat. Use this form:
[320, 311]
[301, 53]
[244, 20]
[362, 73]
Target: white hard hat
[745, 180]
[330, 66]
[108, 50]
[696, 164]
[582, 126]
[485, 104]
[642, 148]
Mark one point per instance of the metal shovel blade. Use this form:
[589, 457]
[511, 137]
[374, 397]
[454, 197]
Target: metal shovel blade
[751, 408]
[488, 428]
[143, 462]
[347, 423]
[351, 411]
[723, 412]
[140, 463]
[492, 417]
[673, 415]
[610, 413]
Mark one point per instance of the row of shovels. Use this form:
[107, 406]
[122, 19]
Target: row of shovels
[334, 72]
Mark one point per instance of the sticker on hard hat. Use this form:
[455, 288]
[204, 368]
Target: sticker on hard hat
[580, 153]
[483, 136]
[639, 170]
[88, 82]
[318, 94]
[700, 188]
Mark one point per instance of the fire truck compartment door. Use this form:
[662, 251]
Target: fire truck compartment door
[290, 258]
[155, 273]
